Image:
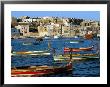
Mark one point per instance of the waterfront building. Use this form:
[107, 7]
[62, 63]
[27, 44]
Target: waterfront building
[50, 29]
[24, 28]
[42, 30]
[65, 31]
[66, 21]
[30, 20]
[89, 26]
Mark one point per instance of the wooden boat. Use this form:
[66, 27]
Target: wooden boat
[46, 52]
[86, 49]
[74, 42]
[78, 49]
[39, 70]
[73, 50]
[65, 57]
[77, 41]
[27, 43]
[34, 43]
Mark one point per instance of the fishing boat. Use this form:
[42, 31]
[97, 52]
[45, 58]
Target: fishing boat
[45, 52]
[65, 57]
[78, 49]
[36, 71]
[77, 41]
[27, 43]
[86, 48]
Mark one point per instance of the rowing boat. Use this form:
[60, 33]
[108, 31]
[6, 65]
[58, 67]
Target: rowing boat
[78, 49]
[36, 71]
[46, 52]
[76, 41]
[66, 57]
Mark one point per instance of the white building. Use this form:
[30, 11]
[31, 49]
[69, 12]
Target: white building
[24, 28]
[50, 29]
[29, 20]
[65, 21]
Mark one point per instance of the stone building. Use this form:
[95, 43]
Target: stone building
[42, 30]
[24, 28]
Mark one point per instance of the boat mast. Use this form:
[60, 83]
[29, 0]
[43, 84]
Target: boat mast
[70, 54]
[49, 45]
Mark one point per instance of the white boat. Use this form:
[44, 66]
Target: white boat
[31, 53]
[75, 36]
[27, 43]
[56, 37]
[46, 37]
[74, 42]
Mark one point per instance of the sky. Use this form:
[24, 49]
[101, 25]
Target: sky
[87, 15]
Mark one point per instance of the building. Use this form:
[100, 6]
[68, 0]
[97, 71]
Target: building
[42, 30]
[89, 26]
[65, 31]
[24, 28]
[66, 21]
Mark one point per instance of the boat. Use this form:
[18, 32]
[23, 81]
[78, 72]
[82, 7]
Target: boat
[55, 37]
[76, 41]
[47, 37]
[27, 43]
[45, 52]
[36, 71]
[73, 50]
[35, 43]
[65, 57]
[86, 49]
[78, 49]
[75, 36]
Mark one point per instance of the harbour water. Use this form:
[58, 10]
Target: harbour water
[81, 68]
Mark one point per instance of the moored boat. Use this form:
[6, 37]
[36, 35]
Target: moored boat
[27, 43]
[86, 48]
[65, 57]
[46, 52]
[39, 70]
[78, 49]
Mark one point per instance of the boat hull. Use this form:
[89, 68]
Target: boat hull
[77, 49]
[40, 71]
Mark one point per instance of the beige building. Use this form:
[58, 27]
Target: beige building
[89, 26]
[24, 28]
[66, 31]
[42, 31]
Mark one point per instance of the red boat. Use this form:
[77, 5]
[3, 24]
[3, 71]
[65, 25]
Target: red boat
[86, 49]
[39, 70]
[78, 49]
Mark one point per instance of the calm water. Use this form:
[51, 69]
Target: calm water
[82, 68]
